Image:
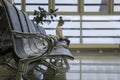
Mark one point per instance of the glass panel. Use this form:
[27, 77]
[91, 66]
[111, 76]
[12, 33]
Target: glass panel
[117, 1]
[116, 8]
[19, 7]
[69, 18]
[71, 21]
[72, 18]
[101, 33]
[17, 1]
[72, 24]
[74, 40]
[71, 32]
[66, 1]
[52, 25]
[103, 25]
[17, 4]
[116, 5]
[95, 6]
[66, 5]
[67, 25]
[66, 32]
[92, 2]
[34, 4]
[102, 17]
[94, 9]
[36, 1]
[66, 8]
[34, 7]
[101, 40]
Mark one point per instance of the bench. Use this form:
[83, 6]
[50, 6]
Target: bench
[60, 49]
[26, 48]
[25, 42]
[60, 52]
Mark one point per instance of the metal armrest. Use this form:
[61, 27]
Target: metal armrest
[28, 35]
[21, 34]
[61, 43]
[53, 39]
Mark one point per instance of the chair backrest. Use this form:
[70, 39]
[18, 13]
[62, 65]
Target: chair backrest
[29, 46]
[29, 23]
[22, 21]
[41, 43]
[16, 26]
[12, 17]
[5, 36]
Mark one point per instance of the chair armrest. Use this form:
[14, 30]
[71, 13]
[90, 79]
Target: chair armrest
[21, 34]
[28, 35]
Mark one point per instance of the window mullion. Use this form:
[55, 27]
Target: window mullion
[10, 1]
[51, 4]
[23, 5]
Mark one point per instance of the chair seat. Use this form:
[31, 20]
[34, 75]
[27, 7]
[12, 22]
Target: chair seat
[61, 43]
[61, 52]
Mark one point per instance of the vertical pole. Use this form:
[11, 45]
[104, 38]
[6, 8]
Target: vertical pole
[81, 15]
[23, 5]
[10, 1]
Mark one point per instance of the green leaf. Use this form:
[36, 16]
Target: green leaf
[35, 12]
[42, 15]
[56, 9]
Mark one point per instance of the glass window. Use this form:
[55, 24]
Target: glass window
[116, 5]
[101, 40]
[116, 8]
[101, 29]
[66, 5]
[106, 33]
[95, 6]
[101, 25]
[94, 9]
[17, 4]
[74, 40]
[67, 8]
[32, 5]
[17, 1]
[102, 17]
[90, 28]
[37, 1]
[117, 1]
